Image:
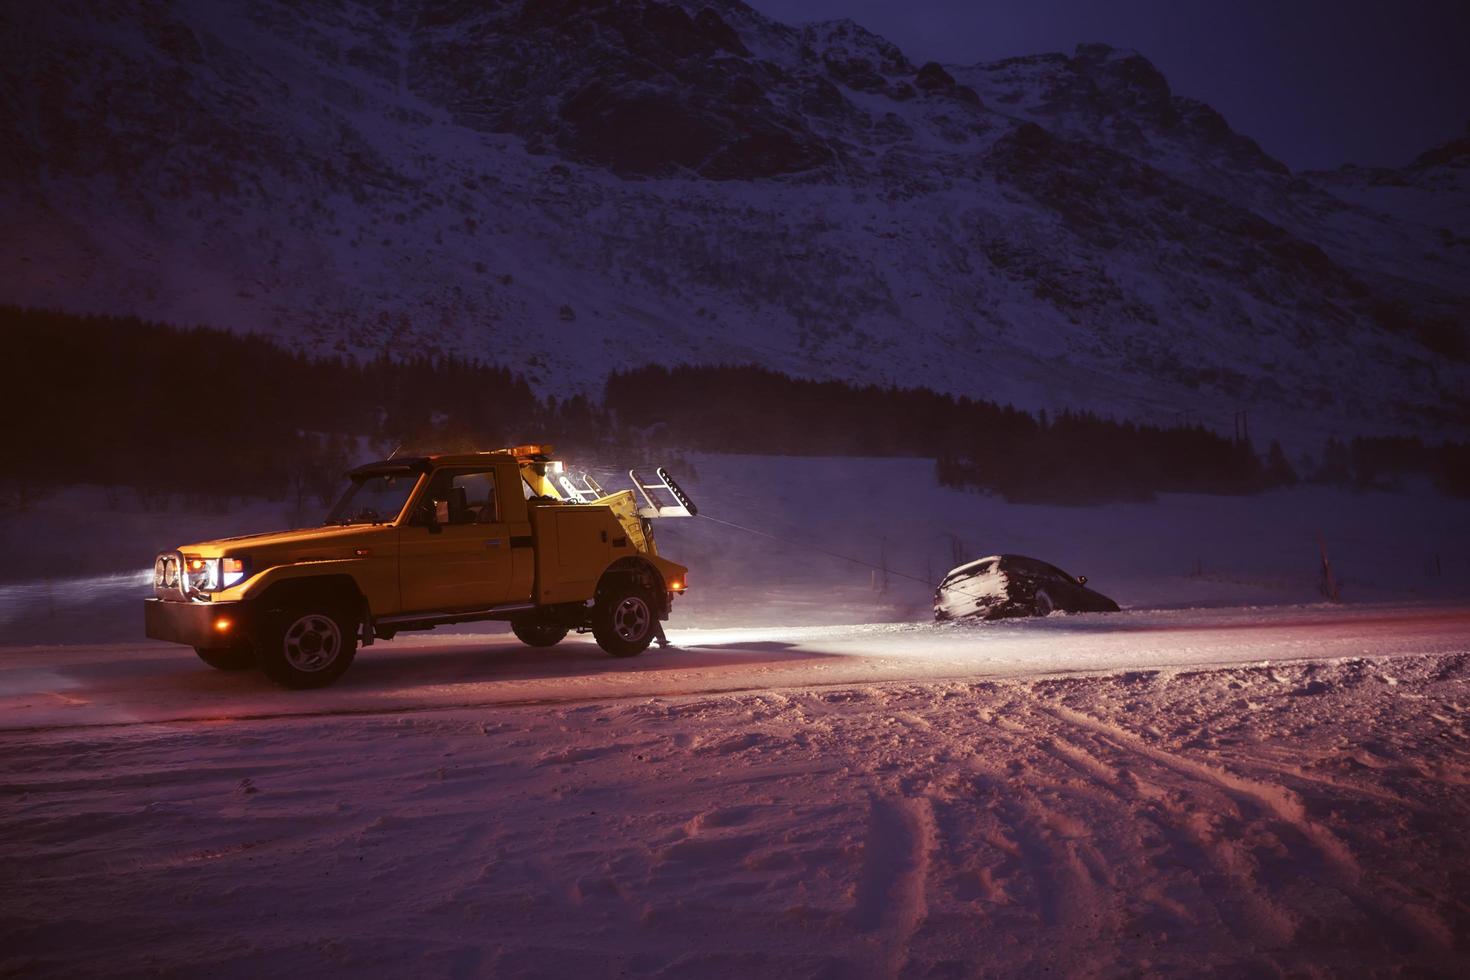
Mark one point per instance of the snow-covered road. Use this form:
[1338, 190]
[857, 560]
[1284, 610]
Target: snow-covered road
[51, 687]
[1246, 792]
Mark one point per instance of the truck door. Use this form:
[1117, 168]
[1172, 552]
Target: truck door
[461, 558]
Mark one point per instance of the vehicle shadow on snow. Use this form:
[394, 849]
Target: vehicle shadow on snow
[127, 685]
[1127, 621]
[1187, 619]
[762, 646]
[471, 662]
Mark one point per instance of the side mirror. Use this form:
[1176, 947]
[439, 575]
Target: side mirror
[1082, 580]
[428, 516]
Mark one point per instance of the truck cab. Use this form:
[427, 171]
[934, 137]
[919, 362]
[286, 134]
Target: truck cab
[418, 542]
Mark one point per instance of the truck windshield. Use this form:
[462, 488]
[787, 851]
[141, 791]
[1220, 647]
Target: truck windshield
[373, 499]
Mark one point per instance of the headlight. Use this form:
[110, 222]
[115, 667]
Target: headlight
[212, 574]
[203, 573]
[166, 572]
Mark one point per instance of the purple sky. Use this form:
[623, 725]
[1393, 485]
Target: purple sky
[1317, 82]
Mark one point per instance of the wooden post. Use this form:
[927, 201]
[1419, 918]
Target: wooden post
[1328, 582]
[883, 562]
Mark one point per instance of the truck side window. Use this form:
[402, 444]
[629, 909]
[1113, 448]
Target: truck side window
[479, 496]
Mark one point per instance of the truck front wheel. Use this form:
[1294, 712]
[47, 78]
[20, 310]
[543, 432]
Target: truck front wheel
[623, 620]
[305, 648]
[536, 631]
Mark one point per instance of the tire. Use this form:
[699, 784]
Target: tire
[230, 658]
[623, 620]
[535, 631]
[304, 648]
[1044, 604]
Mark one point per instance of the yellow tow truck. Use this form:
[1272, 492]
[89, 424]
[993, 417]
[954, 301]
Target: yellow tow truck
[415, 543]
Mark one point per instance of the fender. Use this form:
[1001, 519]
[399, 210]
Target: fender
[670, 574]
[256, 586]
[675, 576]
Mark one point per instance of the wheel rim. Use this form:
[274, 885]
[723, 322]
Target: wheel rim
[313, 643]
[631, 619]
[1044, 604]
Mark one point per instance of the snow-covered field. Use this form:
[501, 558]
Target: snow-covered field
[1229, 777]
[871, 802]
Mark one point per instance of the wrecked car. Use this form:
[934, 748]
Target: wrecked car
[1007, 586]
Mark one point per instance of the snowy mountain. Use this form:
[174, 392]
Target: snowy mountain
[572, 186]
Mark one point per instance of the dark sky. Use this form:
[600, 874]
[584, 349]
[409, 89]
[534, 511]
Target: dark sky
[1318, 83]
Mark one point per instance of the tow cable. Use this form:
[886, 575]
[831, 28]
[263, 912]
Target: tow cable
[818, 548]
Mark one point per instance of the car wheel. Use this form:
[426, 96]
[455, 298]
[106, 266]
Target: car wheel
[536, 632]
[306, 648]
[230, 658]
[623, 620]
[1044, 605]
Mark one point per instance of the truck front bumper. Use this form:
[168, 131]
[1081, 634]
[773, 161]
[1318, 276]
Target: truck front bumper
[210, 625]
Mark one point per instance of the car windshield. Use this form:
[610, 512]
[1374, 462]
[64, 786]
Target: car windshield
[373, 499]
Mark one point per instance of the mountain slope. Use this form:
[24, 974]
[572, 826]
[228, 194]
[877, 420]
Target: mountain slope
[573, 186]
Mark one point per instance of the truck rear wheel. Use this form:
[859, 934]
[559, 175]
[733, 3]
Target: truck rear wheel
[623, 620]
[536, 631]
[230, 658]
[305, 648]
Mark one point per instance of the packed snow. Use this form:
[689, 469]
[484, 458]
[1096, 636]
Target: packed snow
[1276, 817]
[1230, 776]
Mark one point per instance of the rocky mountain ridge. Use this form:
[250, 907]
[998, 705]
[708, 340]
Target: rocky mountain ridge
[572, 186]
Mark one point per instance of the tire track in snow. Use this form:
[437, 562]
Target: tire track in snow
[891, 898]
[1248, 909]
[1274, 801]
[1039, 860]
[1279, 801]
